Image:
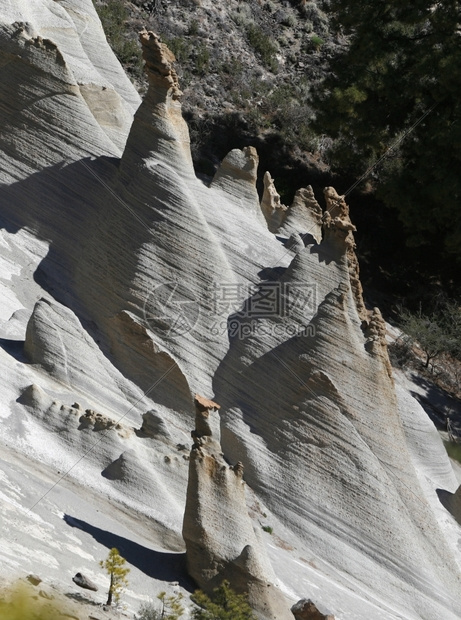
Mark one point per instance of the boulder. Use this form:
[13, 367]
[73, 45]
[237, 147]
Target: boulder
[80, 580]
[305, 609]
[153, 425]
[33, 579]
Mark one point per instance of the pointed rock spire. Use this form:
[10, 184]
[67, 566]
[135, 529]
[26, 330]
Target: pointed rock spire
[375, 333]
[304, 216]
[159, 61]
[273, 210]
[236, 176]
[220, 540]
[338, 233]
[159, 132]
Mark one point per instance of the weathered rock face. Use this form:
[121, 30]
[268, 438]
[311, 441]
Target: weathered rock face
[344, 433]
[74, 60]
[153, 425]
[221, 543]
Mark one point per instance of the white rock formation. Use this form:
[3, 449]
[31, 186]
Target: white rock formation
[303, 217]
[273, 210]
[128, 285]
[221, 543]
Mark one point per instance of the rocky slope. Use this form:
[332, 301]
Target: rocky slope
[128, 285]
[247, 70]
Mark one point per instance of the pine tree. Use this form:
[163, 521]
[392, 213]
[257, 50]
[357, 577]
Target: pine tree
[224, 604]
[399, 78]
[114, 565]
[171, 606]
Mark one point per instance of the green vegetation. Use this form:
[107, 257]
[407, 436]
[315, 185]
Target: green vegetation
[202, 59]
[288, 19]
[268, 529]
[193, 28]
[431, 341]
[394, 91]
[21, 603]
[193, 51]
[185, 51]
[224, 604]
[113, 15]
[436, 332]
[114, 565]
[316, 41]
[427, 332]
[181, 47]
[171, 608]
[453, 450]
[262, 45]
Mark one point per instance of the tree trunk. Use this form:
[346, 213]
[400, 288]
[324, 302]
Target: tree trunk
[109, 597]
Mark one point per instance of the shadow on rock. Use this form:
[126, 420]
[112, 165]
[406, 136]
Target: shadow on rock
[160, 565]
[451, 502]
[438, 403]
[15, 348]
[81, 598]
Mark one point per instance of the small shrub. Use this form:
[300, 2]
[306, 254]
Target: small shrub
[224, 604]
[268, 529]
[148, 611]
[428, 332]
[113, 15]
[170, 608]
[180, 47]
[233, 67]
[245, 9]
[316, 41]
[437, 333]
[283, 41]
[193, 28]
[401, 352]
[262, 45]
[288, 19]
[243, 17]
[202, 59]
